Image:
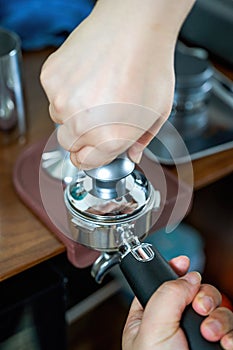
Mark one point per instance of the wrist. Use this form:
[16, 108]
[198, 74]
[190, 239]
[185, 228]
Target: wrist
[163, 17]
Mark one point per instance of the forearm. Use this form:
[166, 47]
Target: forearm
[156, 17]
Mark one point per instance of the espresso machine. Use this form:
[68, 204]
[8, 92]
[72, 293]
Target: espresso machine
[110, 209]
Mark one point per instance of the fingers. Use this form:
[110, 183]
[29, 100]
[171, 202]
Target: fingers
[219, 326]
[135, 151]
[157, 322]
[180, 264]
[133, 320]
[99, 134]
[177, 294]
[114, 127]
[90, 157]
[227, 341]
[97, 147]
[207, 300]
[219, 323]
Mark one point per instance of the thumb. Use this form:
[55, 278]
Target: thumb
[136, 150]
[163, 312]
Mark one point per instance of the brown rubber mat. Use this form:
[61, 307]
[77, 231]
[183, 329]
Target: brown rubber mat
[26, 181]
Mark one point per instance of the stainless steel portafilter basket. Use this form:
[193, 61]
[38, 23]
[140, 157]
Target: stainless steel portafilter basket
[102, 201]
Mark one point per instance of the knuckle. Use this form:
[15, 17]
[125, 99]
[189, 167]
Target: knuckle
[173, 288]
[53, 116]
[114, 146]
[74, 159]
[166, 109]
[43, 75]
[223, 313]
[208, 289]
[58, 104]
[46, 71]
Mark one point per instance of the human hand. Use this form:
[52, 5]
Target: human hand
[157, 327]
[119, 58]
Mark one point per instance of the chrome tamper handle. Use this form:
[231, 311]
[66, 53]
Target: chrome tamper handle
[109, 179]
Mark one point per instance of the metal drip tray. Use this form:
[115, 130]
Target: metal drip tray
[217, 136]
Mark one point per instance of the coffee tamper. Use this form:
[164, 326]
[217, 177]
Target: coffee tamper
[111, 209]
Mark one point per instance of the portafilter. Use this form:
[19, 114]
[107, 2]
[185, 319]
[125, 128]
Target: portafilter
[110, 210]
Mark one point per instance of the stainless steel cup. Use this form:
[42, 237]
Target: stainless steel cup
[12, 112]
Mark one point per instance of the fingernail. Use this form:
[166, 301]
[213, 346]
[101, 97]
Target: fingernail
[182, 262]
[137, 157]
[193, 277]
[78, 164]
[228, 342]
[205, 302]
[214, 327]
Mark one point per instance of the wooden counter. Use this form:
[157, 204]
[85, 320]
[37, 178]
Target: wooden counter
[24, 240]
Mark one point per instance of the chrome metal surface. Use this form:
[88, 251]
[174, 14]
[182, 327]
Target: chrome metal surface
[143, 252]
[109, 180]
[58, 165]
[82, 199]
[95, 222]
[216, 135]
[132, 245]
[204, 121]
[12, 111]
[119, 168]
[104, 263]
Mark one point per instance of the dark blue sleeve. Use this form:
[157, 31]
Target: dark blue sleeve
[43, 23]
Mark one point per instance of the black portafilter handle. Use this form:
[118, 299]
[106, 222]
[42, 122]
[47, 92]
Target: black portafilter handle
[144, 277]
